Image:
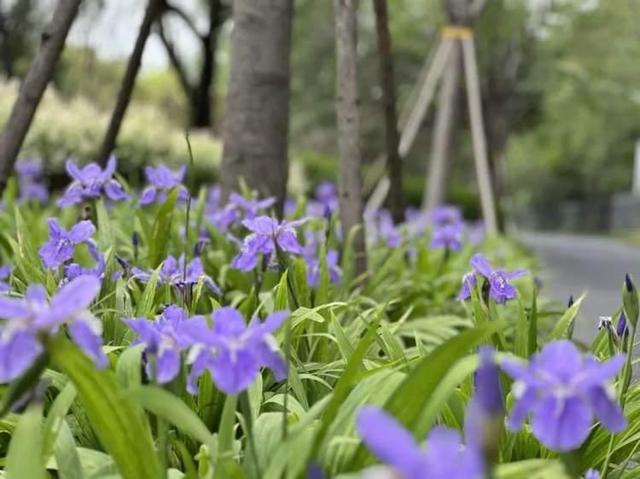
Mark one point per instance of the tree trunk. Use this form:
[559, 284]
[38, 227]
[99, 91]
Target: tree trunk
[128, 82]
[445, 126]
[34, 85]
[256, 127]
[202, 106]
[497, 138]
[350, 180]
[392, 138]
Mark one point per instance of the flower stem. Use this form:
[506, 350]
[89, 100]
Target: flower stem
[245, 406]
[225, 432]
[287, 356]
[571, 461]
[162, 428]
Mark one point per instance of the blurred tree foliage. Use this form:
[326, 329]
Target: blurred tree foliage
[18, 35]
[582, 145]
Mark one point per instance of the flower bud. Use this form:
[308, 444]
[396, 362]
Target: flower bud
[484, 417]
[630, 301]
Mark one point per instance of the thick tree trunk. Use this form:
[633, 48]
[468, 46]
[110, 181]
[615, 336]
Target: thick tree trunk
[350, 180]
[445, 127]
[128, 82]
[256, 127]
[34, 85]
[392, 138]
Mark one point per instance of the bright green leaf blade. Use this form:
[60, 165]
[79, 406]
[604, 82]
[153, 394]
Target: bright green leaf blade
[24, 459]
[117, 421]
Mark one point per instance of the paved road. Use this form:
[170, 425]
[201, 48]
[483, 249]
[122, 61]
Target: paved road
[572, 264]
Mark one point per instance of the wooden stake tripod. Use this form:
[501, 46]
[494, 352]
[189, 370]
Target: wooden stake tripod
[453, 37]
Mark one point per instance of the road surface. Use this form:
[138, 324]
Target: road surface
[571, 264]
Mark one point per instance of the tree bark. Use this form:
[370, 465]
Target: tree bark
[392, 138]
[128, 82]
[34, 85]
[256, 127]
[350, 180]
[198, 92]
[445, 126]
[202, 110]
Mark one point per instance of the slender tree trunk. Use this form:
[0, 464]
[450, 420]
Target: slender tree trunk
[128, 82]
[5, 53]
[34, 85]
[202, 109]
[256, 125]
[445, 127]
[392, 138]
[350, 180]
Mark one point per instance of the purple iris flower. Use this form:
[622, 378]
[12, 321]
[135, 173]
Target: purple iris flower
[469, 282]
[592, 474]
[333, 267]
[486, 406]
[33, 190]
[622, 330]
[73, 270]
[443, 457]
[5, 274]
[223, 218]
[165, 339]
[380, 226]
[172, 272]
[313, 238]
[162, 180]
[28, 318]
[417, 221]
[499, 287]
[250, 208]
[267, 234]
[562, 390]
[62, 243]
[29, 181]
[325, 200]
[233, 351]
[290, 206]
[448, 236]
[90, 182]
[29, 168]
[446, 214]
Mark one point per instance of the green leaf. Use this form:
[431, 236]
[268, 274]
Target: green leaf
[345, 383]
[226, 435]
[532, 469]
[26, 259]
[105, 235]
[161, 230]
[562, 327]
[117, 421]
[533, 325]
[145, 306]
[24, 460]
[281, 300]
[299, 282]
[128, 368]
[55, 417]
[66, 454]
[171, 408]
[407, 402]
[324, 280]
